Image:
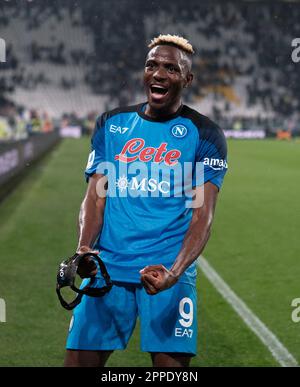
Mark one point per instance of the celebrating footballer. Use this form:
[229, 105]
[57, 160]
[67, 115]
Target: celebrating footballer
[155, 160]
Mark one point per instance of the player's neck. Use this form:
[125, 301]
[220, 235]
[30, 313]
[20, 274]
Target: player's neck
[160, 113]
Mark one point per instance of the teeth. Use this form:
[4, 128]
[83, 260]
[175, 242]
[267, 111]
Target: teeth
[159, 89]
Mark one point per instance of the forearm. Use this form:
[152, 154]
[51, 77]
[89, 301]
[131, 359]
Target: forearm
[194, 242]
[90, 221]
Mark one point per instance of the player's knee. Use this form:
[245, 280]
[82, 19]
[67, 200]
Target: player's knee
[160, 359]
[86, 358]
[71, 359]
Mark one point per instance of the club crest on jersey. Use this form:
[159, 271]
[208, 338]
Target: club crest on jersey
[179, 131]
[135, 150]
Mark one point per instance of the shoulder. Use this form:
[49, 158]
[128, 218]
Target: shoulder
[119, 110]
[202, 122]
[207, 129]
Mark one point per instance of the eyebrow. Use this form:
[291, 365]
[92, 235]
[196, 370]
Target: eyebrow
[175, 64]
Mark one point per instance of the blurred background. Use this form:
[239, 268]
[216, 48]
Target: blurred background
[68, 61]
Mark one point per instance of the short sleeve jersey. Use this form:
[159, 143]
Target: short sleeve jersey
[151, 166]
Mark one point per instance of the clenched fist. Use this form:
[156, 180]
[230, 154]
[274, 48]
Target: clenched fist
[156, 278]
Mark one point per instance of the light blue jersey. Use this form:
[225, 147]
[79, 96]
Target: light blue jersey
[151, 167]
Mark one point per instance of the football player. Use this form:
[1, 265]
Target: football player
[153, 222]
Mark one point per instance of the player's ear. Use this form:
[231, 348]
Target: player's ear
[188, 79]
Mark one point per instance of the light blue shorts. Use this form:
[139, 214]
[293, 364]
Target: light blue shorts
[168, 320]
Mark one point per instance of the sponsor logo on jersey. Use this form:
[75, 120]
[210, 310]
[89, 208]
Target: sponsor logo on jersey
[216, 164]
[183, 332]
[179, 131]
[135, 149]
[117, 129]
[150, 185]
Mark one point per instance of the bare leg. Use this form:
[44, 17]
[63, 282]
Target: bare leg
[86, 358]
[160, 359]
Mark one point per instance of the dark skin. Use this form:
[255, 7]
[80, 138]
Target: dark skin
[169, 68]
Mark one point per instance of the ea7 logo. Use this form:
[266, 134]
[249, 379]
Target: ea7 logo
[117, 129]
[181, 332]
[216, 164]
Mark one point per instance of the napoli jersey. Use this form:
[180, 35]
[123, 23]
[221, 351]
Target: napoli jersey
[151, 166]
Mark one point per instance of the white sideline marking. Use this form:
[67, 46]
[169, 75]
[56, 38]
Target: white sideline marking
[277, 349]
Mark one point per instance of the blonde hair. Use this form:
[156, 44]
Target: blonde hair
[175, 40]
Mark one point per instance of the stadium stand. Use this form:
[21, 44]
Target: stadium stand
[74, 59]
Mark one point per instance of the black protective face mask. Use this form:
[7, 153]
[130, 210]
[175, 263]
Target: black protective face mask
[66, 277]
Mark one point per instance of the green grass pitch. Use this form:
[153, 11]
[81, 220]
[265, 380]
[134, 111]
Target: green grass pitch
[254, 247]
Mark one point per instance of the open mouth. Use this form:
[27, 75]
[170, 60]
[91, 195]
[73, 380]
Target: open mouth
[158, 92]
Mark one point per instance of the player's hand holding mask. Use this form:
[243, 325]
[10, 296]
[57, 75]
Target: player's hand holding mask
[87, 267]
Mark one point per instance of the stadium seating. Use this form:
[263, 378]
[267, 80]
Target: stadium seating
[87, 58]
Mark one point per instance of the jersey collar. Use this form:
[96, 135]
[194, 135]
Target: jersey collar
[141, 112]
